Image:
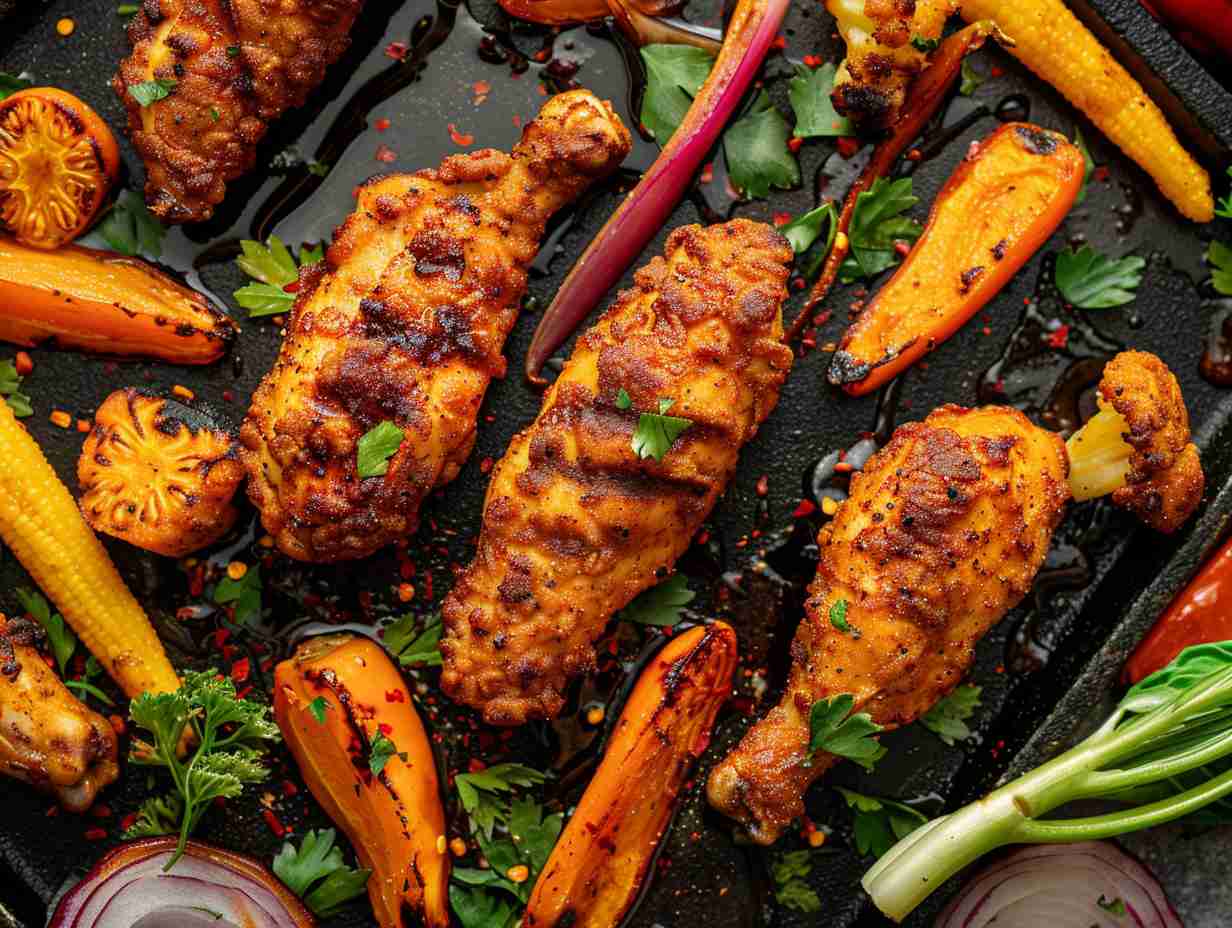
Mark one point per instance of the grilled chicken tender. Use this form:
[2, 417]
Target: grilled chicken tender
[231, 66]
[48, 738]
[404, 321]
[944, 532]
[576, 524]
[888, 42]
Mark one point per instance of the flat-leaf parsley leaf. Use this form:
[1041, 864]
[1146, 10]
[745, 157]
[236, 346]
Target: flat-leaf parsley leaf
[316, 872]
[879, 823]
[809, 92]
[1093, 281]
[412, 644]
[834, 728]
[1219, 257]
[10, 389]
[272, 266]
[877, 224]
[148, 92]
[838, 618]
[656, 432]
[758, 157]
[660, 605]
[805, 230]
[376, 447]
[674, 74]
[790, 890]
[948, 718]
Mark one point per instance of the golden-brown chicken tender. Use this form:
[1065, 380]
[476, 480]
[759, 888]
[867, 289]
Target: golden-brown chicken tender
[944, 532]
[575, 523]
[228, 67]
[404, 322]
[48, 738]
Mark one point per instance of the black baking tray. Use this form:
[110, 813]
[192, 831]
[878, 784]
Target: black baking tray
[1045, 670]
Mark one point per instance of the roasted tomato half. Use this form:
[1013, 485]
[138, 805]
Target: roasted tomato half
[158, 474]
[58, 161]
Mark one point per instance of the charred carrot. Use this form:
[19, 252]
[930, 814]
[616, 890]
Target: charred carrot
[1050, 40]
[40, 522]
[998, 207]
[98, 301]
[347, 717]
[606, 850]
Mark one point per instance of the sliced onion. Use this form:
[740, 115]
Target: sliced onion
[128, 888]
[1061, 886]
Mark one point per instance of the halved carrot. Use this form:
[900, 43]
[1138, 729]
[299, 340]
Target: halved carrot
[1001, 204]
[602, 858]
[98, 301]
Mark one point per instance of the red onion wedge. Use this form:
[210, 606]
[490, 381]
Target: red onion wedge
[128, 889]
[748, 37]
[1092, 884]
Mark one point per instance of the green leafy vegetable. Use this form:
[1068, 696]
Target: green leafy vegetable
[805, 230]
[838, 618]
[790, 889]
[1089, 165]
[10, 389]
[11, 83]
[376, 447]
[475, 907]
[834, 728]
[244, 593]
[318, 707]
[674, 75]
[92, 670]
[660, 605]
[877, 223]
[878, 823]
[412, 645]
[317, 874]
[758, 157]
[228, 744]
[971, 78]
[1218, 256]
[1092, 281]
[1223, 207]
[274, 269]
[1115, 906]
[380, 750]
[129, 228]
[1165, 753]
[809, 92]
[656, 432]
[948, 718]
[484, 794]
[148, 92]
[59, 636]
[623, 401]
[922, 44]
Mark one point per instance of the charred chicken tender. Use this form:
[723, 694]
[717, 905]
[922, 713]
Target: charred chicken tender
[888, 43]
[943, 533]
[158, 474]
[48, 738]
[1137, 447]
[404, 322]
[576, 523]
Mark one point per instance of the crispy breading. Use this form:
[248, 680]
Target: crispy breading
[576, 524]
[944, 532]
[404, 321]
[231, 66]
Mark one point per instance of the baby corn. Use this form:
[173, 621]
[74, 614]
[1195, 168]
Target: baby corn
[1051, 41]
[40, 522]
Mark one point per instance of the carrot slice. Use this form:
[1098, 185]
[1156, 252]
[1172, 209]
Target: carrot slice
[606, 850]
[1001, 204]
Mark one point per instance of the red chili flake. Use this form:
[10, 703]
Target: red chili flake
[395, 696]
[707, 174]
[987, 330]
[274, 825]
[386, 154]
[517, 122]
[266, 665]
[781, 219]
[542, 55]
[385, 729]
[822, 317]
[795, 143]
[485, 466]
[228, 396]
[806, 508]
[843, 467]
[481, 87]
[914, 155]
[460, 138]
[901, 249]
[780, 41]
[996, 70]
[1101, 173]
[397, 50]
[23, 364]
[476, 765]
[289, 789]
[95, 834]
[703, 537]
[355, 191]
[292, 287]
[763, 485]
[196, 580]
[1059, 338]
[100, 810]
[52, 812]
[243, 694]
[428, 585]
[381, 124]
[848, 146]
[812, 61]
[128, 821]
[228, 651]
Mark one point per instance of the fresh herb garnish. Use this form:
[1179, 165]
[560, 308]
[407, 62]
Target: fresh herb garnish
[272, 265]
[1093, 281]
[485, 793]
[244, 593]
[1114, 907]
[922, 44]
[10, 389]
[623, 401]
[661, 604]
[1219, 257]
[127, 9]
[380, 750]
[59, 636]
[656, 432]
[128, 228]
[1223, 208]
[758, 157]
[148, 92]
[376, 446]
[92, 670]
[971, 78]
[878, 823]
[228, 743]
[414, 645]
[834, 728]
[838, 618]
[233, 51]
[809, 92]
[877, 224]
[318, 707]
[157, 815]
[805, 230]
[316, 872]
[948, 718]
[674, 74]
[790, 890]
[11, 83]
[1088, 165]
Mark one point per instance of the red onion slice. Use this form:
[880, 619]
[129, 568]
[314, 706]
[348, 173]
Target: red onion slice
[1061, 886]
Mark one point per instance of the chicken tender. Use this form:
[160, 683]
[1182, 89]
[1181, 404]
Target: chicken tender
[943, 533]
[575, 523]
[404, 321]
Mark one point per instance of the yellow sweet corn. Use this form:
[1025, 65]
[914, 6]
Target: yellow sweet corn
[1051, 41]
[40, 522]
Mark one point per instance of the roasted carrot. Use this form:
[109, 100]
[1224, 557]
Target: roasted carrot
[40, 522]
[98, 301]
[348, 719]
[1051, 41]
[1004, 200]
[606, 850]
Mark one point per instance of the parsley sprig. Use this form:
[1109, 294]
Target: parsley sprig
[147, 93]
[243, 595]
[412, 643]
[661, 605]
[838, 618]
[879, 823]
[835, 729]
[63, 643]
[803, 232]
[1219, 257]
[878, 223]
[10, 389]
[229, 740]
[1223, 207]
[1090, 280]
[655, 432]
[809, 92]
[376, 446]
[274, 269]
[316, 872]
[485, 793]
[128, 228]
[790, 889]
[948, 718]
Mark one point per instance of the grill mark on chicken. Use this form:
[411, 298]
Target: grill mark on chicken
[575, 524]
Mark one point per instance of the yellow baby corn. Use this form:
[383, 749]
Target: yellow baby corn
[40, 522]
[1051, 41]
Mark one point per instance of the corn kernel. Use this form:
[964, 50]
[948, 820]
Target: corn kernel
[61, 418]
[406, 592]
[65, 26]
[236, 570]
[440, 844]
[594, 715]
[518, 874]
[829, 505]
[457, 847]
[183, 392]
[840, 240]
[816, 838]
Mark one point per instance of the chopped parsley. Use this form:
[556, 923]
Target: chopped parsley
[758, 156]
[656, 432]
[59, 636]
[878, 223]
[803, 231]
[880, 823]
[412, 644]
[971, 78]
[622, 399]
[380, 750]
[1219, 257]
[127, 9]
[809, 92]
[316, 872]
[128, 228]
[838, 618]
[674, 75]
[660, 605]
[275, 270]
[922, 44]
[1088, 165]
[243, 595]
[318, 707]
[790, 889]
[149, 92]
[835, 729]
[948, 718]
[1090, 280]
[1114, 907]
[10, 389]
[11, 83]
[1223, 207]
[376, 446]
